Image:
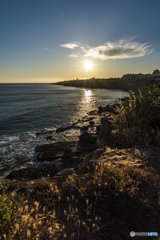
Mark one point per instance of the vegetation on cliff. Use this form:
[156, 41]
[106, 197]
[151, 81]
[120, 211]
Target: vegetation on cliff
[138, 119]
[91, 206]
[110, 83]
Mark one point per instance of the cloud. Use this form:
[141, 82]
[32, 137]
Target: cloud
[70, 45]
[119, 50]
[113, 50]
[73, 55]
[45, 49]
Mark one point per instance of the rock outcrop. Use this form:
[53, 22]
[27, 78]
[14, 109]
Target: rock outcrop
[42, 170]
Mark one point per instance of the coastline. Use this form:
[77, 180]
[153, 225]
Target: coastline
[66, 153]
[18, 149]
[89, 188]
[117, 83]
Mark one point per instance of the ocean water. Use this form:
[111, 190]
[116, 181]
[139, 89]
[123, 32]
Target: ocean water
[26, 109]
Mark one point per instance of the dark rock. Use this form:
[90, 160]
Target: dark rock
[40, 157]
[76, 159]
[68, 153]
[98, 128]
[48, 157]
[105, 131]
[44, 132]
[125, 99]
[94, 112]
[101, 109]
[49, 138]
[109, 108]
[83, 167]
[92, 122]
[54, 148]
[87, 119]
[84, 128]
[54, 151]
[93, 138]
[66, 172]
[62, 129]
[97, 154]
[84, 137]
[42, 170]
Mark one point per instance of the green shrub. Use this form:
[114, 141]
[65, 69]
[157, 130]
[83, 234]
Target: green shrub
[5, 202]
[140, 116]
[4, 208]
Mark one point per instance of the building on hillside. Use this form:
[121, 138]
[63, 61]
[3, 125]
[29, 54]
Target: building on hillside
[156, 71]
[132, 76]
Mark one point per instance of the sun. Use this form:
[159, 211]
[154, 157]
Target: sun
[88, 65]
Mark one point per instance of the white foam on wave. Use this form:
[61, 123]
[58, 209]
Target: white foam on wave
[50, 129]
[8, 139]
[19, 151]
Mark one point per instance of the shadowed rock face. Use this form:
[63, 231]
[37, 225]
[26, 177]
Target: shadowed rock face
[104, 132]
[42, 170]
[84, 137]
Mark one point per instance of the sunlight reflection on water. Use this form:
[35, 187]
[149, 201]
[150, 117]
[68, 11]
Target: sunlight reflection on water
[87, 102]
[88, 93]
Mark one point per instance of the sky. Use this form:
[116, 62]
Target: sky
[44, 41]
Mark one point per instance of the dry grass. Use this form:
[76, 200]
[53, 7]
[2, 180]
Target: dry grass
[84, 207]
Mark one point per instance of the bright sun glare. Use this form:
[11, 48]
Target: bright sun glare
[88, 65]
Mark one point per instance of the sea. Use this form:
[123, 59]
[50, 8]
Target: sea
[26, 109]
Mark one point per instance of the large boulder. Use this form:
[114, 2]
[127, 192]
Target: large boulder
[105, 131]
[93, 138]
[84, 137]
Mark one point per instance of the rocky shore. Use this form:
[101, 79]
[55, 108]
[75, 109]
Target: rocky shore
[66, 158]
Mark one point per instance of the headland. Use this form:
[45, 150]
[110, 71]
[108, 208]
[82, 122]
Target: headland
[110, 83]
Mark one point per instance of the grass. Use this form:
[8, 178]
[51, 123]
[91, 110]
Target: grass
[82, 207]
[5, 202]
[137, 121]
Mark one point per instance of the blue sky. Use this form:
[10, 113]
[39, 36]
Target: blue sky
[49, 41]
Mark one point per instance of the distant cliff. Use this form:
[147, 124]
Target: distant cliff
[114, 83]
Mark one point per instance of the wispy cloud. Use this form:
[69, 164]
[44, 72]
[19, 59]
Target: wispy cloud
[73, 55]
[113, 50]
[119, 50]
[45, 49]
[70, 45]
